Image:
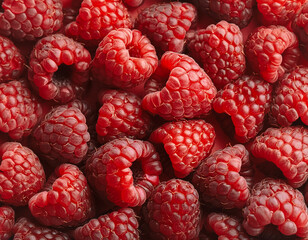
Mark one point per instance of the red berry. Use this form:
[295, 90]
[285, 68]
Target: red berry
[121, 224]
[133, 3]
[66, 200]
[7, 221]
[110, 173]
[124, 59]
[30, 20]
[59, 68]
[188, 92]
[173, 211]
[166, 24]
[272, 51]
[220, 50]
[273, 202]
[186, 142]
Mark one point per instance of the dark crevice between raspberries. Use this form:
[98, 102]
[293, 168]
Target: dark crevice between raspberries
[271, 232]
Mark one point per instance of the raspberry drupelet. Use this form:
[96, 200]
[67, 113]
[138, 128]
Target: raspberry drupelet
[188, 92]
[30, 20]
[272, 51]
[59, 68]
[7, 221]
[113, 171]
[124, 59]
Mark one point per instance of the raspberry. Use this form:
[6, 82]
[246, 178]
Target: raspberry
[246, 101]
[225, 227]
[25, 229]
[110, 173]
[272, 51]
[121, 115]
[11, 61]
[30, 20]
[276, 203]
[186, 142]
[96, 19]
[19, 110]
[124, 58]
[59, 68]
[188, 92]
[62, 136]
[166, 24]
[223, 179]
[121, 224]
[278, 12]
[7, 221]
[233, 11]
[133, 3]
[287, 148]
[221, 52]
[66, 200]
[173, 211]
[21, 174]
[290, 101]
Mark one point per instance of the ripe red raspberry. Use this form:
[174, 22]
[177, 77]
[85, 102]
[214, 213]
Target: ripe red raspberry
[121, 224]
[287, 148]
[188, 92]
[121, 115]
[59, 68]
[62, 136]
[124, 58]
[96, 19]
[11, 61]
[290, 100]
[220, 49]
[25, 229]
[272, 51]
[157, 81]
[21, 174]
[166, 24]
[173, 211]
[7, 221]
[19, 109]
[66, 200]
[111, 171]
[186, 142]
[30, 20]
[224, 178]
[246, 101]
[225, 227]
[278, 12]
[273, 202]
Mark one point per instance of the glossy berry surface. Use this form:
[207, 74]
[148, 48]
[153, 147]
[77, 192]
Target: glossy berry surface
[7, 221]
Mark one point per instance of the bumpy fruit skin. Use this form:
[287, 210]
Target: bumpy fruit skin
[278, 12]
[96, 19]
[247, 102]
[173, 211]
[66, 200]
[19, 110]
[111, 172]
[121, 224]
[120, 116]
[220, 50]
[166, 24]
[223, 179]
[124, 59]
[272, 51]
[59, 68]
[7, 221]
[290, 100]
[186, 142]
[62, 136]
[25, 229]
[273, 202]
[11, 61]
[287, 148]
[188, 92]
[30, 20]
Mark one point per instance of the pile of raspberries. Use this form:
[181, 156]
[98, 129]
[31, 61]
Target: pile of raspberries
[143, 119]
